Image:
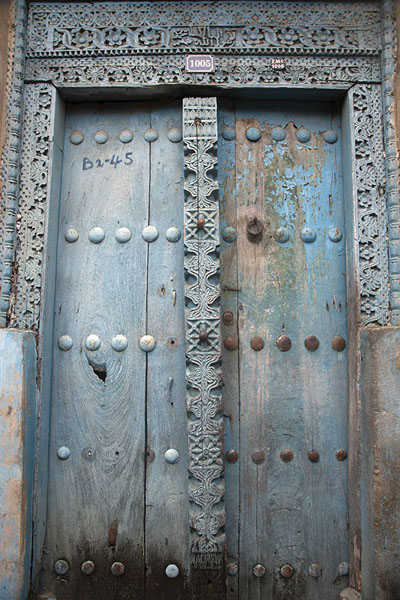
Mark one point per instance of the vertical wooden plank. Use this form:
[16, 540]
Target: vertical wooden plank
[229, 331]
[17, 451]
[167, 502]
[96, 499]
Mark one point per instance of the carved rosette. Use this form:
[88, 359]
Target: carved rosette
[203, 344]
[371, 203]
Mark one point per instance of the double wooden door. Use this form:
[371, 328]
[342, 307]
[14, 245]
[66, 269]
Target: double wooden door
[118, 489]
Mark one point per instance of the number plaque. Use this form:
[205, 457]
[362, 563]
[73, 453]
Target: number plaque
[199, 63]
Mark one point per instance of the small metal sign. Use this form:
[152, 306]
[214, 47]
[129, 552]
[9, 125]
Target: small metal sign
[278, 63]
[199, 63]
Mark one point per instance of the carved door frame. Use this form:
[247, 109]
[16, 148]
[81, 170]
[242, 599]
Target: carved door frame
[72, 53]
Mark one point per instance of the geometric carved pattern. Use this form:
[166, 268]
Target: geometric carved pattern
[68, 29]
[371, 203]
[203, 343]
[37, 127]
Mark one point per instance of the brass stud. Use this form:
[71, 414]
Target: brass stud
[259, 570]
[61, 567]
[117, 569]
[287, 571]
[231, 342]
[231, 456]
[87, 567]
[311, 343]
[201, 222]
[341, 454]
[257, 343]
[338, 343]
[284, 343]
[286, 455]
[203, 336]
[258, 457]
[313, 455]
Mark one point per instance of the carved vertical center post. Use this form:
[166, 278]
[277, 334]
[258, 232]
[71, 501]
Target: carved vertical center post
[203, 348]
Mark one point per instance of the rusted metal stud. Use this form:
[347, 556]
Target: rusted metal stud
[93, 342]
[287, 571]
[76, 137]
[172, 571]
[341, 454]
[313, 455]
[87, 567]
[338, 343]
[150, 233]
[61, 567]
[65, 342]
[281, 235]
[343, 568]
[175, 134]
[201, 222]
[119, 343]
[303, 135]
[257, 343]
[314, 570]
[286, 455]
[284, 343]
[330, 136]
[96, 235]
[278, 134]
[232, 569]
[63, 453]
[227, 317]
[123, 235]
[173, 234]
[334, 234]
[231, 456]
[253, 134]
[229, 234]
[71, 235]
[147, 343]
[228, 133]
[117, 569]
[231, 342]
[258, 457]
[311, 343]
[259, 570]
[171, 456]
[203, 336]
[126, 136]
[101, 136]
[151, 134]
[254, 229]
[308, 235]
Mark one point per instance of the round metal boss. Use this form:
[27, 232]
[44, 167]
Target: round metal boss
[101, 136]
[257, 343]
[172, 571]
[173, 234]
[330, 136]
[308, 235]
[314, 570]
[311, 343]
[341, 454]
[253, 134]
[228, 133]
[334, 234]
[278, 134]
[303, 135]
[343, 568]
[231, 342]
[175, 134]
[231, 456]
[151, 135]
[117, 569]
[126, 136]
[338, 343]
[287, 571]
[87, 567]
[123, 235]
[96, 235]
[313, 455]
[119, 343]
[93, 342]
[71, 235]
[227, 317]
[229, 234]
[63, 453]
[65, 342]
[258, 456]
[61, 567]
[286, 455]
[76, 137]
[171, 456]
[147, 343]
[259, 570]
[281, 235]
[284, 343]
[255, 228]
[150, 233]
[232, 569]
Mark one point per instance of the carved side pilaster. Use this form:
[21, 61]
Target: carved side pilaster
[203, 347]
[369, 181]
[11, 159]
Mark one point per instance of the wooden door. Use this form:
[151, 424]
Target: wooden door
[284, 356]
[118, 486]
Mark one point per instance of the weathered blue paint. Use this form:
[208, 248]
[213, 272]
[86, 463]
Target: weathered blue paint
[17, 452]
[291, 512]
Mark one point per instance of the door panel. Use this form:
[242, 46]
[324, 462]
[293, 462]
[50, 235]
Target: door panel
[287, 402]
[109, 492]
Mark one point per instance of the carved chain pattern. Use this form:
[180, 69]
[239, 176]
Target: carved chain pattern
[371, 200]
[203, 357]
[25, 304]
[132, 27]
[235, 71]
